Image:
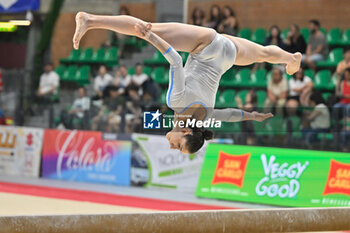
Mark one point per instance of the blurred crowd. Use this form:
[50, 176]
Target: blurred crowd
[115, 104]
[285, 96]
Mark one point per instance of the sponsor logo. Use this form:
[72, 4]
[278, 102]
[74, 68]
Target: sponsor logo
[7, 143]
[29, 140]
[230, 169]
[281, 179]
[151, 120]
[78, 153]
[338, 179]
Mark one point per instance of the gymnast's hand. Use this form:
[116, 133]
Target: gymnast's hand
[261, 116]
[143, 30]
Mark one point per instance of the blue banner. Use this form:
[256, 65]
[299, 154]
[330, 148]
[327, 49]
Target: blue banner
[17, 6]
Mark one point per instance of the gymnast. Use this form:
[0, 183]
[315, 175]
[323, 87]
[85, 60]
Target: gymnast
[192, 88]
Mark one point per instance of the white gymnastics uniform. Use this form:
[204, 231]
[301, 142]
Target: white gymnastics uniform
[198, 81]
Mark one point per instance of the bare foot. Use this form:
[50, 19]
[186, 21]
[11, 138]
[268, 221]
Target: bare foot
[294, 65]
[80, 29]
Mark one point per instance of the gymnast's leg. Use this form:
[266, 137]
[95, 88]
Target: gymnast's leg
[250, 52]
[182, 37]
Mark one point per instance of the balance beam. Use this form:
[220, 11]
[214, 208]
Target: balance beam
[257, 220]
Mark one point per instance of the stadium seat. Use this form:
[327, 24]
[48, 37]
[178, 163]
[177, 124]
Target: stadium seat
[326, 95]
[242, 94]
[60, 70]
[245, 33]
[69, 74]
[258, 78]
[160, 76]
[85, 56]
[305, 32]
[322, 80]
[157, 58]
[162, 97]
[261, 95]
[228, 78]
[73, 57]
[275, 126]
[346, 37]
[98, 55]
[259, 128]
[323, 30]
[111, 57]
[334, 57]
[284, 34]
[242, 78]
[227, 99]
[82, 76]
[334, 37]
[184, 56]
[259, 36]
[309, 73]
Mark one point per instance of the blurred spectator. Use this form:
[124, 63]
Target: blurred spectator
[251, 102]
[133, 109]
[102, 80]
[295, 42]
[49, 84]
[139, 78]
[275, 37]
[300, 87]
[317, 48]
[228, 24]
[341, 67]
[215, 17]
[344, 104]
[110, 112]
[76, 112]
[197, 17]
[277, 92]
[122, 78]
[123, 10]
[318, 120]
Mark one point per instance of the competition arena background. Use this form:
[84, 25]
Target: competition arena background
[77, 141]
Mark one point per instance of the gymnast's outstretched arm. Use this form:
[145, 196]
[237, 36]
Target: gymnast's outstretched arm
[177, 77]
[236, 115]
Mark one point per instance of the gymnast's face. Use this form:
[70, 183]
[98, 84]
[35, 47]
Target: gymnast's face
[177, 140]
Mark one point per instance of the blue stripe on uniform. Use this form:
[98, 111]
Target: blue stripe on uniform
[168, 50]
[171, 85]
[242, 114]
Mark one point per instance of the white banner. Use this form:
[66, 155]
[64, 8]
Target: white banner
[167, 167]
[20, 150]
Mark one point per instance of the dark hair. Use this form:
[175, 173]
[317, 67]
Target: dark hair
[139, 64]
[346, 50]
[124, 8]
[48, 64]
[232, 13]
[201, 15]
[317, 97]
[212, 18]
[302, 75]
[315, 22]
[196, 140]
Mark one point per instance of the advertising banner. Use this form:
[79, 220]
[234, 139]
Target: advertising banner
[20, 150]
[85, 156]
[155, 164]
[276, 176]
[16, 6]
